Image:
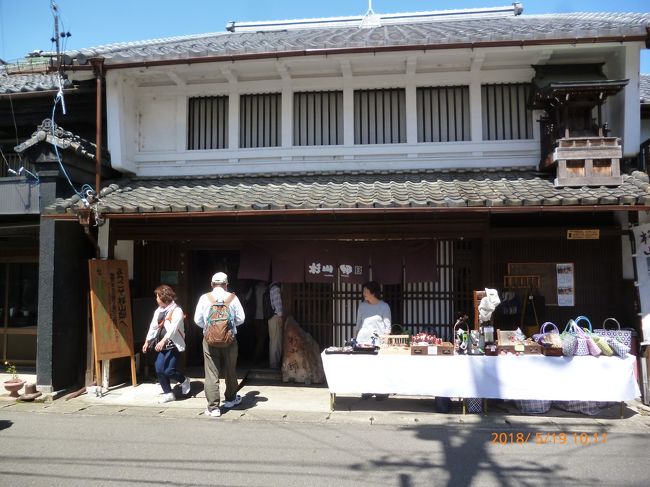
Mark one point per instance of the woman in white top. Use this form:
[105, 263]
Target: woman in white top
[373, 321]
[373, 316]
[167, 323]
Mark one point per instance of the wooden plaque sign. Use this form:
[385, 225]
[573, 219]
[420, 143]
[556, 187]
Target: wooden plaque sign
[110, 301]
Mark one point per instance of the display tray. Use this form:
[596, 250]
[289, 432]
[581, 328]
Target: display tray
[444, 349]
[394, 350]
[552, 351]
[351, 350]
[339, 350]
[525, 348]
[368, 350]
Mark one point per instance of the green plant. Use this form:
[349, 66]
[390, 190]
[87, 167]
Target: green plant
[11, 369]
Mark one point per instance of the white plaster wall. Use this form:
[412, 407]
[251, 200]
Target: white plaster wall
[157, 123]
[150, 107]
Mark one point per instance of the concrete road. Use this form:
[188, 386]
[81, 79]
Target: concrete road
[81, 448]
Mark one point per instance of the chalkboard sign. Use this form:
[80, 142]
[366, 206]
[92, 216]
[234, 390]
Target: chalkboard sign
[110, 301]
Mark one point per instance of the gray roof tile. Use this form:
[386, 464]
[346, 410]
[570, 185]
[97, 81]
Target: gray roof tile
[548, 27]
[361, 190]
[26, 83]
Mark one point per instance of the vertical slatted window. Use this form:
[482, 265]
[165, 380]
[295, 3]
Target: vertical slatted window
[380, 116]
[207, 123]
[443, 114]
[504, 112]
[260, 120]
[318, 118]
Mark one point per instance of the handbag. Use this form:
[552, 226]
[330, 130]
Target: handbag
[592, 348]
[569, 339]
[160, 333]
[548, 339]
[623, 336]
[617, 347]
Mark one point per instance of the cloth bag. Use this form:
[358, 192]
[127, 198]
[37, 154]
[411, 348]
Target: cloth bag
[533, 406]
[602, 343]
[569, 339]
[548, 338]
[623, 336]
[590, 408]
[619, 348]
[583, 335]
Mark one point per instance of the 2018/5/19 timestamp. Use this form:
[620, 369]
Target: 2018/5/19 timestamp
[550, 438]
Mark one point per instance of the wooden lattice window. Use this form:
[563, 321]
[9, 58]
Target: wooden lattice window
[380, 116]
[318, 118]
[207, 122]
[443, 114]
[260, 120]
[504, 111]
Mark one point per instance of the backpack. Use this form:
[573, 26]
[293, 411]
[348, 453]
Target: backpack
[219, 325]
[267, 307]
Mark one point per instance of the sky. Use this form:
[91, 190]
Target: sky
[27, 25]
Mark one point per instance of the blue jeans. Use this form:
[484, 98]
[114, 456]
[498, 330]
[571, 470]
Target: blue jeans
[166, 368]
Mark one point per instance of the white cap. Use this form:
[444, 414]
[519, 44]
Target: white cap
[220, 278]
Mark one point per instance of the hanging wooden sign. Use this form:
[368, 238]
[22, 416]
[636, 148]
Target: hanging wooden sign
[110, 301]
[583, 234]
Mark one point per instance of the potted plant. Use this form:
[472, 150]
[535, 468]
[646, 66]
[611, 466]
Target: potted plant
[14, 384]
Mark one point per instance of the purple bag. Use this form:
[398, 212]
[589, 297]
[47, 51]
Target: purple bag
[592, 348]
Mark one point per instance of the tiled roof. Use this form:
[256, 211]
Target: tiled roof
[475, 31]
[25, 83]
[62, 138]
[644, 89]
[490, 188]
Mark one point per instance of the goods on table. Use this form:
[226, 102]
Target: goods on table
[394, 344]
[514, 342]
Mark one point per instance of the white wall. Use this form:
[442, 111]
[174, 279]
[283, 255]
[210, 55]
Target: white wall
[148, 109]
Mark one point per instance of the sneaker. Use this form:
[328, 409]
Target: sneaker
[215, 413]
[233, 403]
[166, 398]
[186, 386]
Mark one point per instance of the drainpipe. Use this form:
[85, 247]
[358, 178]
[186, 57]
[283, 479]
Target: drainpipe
[98, 68]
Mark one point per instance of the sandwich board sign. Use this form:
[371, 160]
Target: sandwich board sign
[110, 301]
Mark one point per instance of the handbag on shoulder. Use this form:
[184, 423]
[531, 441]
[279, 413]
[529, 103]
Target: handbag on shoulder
[160, 333]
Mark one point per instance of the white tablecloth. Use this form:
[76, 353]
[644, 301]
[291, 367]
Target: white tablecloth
[503, 377]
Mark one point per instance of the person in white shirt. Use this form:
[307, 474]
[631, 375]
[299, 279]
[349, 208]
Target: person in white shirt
[373, 316]
[216, 358]
[167, 323]
[373, 321]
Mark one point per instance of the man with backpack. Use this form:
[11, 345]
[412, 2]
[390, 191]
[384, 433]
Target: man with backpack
[219, 313]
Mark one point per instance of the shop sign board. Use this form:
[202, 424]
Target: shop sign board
[110, 301]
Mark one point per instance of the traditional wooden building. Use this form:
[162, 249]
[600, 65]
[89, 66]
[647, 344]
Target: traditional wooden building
[405, 148]
[29, 181]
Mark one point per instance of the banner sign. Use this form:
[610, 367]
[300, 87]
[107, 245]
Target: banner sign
[642, 245]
